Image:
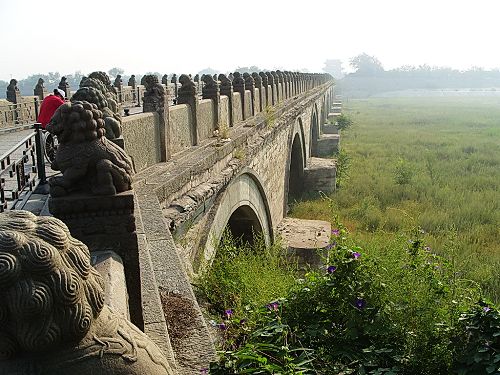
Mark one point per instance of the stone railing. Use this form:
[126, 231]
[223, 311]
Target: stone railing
[224, 102]
[15, 115]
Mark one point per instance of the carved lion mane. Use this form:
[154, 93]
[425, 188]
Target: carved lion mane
[77, 122]
[50, 294]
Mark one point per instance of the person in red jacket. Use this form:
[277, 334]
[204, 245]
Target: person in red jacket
[49, 106]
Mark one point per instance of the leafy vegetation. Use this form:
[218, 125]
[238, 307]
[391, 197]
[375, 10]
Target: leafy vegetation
[398, 295]
[409, 312]
[343, 122]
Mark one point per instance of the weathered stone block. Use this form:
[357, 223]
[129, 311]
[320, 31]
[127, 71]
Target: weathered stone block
[330, 129]
[328, 144]
[320, 175]
[110, 266]
[106, 223]
[333, 116]
[142, 139]
[305, 240]
[181, 120]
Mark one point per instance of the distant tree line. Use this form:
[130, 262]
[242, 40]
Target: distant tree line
[371, 78]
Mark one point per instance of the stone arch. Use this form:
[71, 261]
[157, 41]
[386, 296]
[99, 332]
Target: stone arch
[314, 132]
[296, 162]
[244, 208]
[324, 111]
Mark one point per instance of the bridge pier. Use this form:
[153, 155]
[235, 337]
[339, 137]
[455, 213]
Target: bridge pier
[328, 144]
[319, 176]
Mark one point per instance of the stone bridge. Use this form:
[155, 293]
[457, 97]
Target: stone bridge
[234, 159]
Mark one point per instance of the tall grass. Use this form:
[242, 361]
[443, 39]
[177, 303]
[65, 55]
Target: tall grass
[427, 162]
[244, 276]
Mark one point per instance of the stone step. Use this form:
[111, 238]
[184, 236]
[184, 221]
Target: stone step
[328, 144]
[305, 240]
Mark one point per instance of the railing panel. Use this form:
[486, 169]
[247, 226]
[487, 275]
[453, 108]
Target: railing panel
[21, 169]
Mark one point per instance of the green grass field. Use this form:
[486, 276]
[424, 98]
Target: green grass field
[432, 163]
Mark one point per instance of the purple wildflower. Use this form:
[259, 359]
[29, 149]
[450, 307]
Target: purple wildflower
[335, 232]
[204, 371]
[222, 326]
[331, 269]
[273, 306]
[356, 255]
[360, 303]
[486, 309]
[228, 313]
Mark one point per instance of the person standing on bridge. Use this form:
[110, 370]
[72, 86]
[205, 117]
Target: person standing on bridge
[49, 106]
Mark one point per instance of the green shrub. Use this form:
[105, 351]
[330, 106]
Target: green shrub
[359, 314]
[403, 173]
[480, 337]
[342, 168]
[343, 122]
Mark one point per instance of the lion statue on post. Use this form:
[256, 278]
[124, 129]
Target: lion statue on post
[53, 319]
[87, 160]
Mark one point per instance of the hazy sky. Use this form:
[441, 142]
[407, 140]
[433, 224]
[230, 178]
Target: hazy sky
[38, 36]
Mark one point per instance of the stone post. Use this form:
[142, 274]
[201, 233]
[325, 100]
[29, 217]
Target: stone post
[250, 85]
[265, 85]
[239, 86]
[119, 85]
[289, 77]
[174, 81]
[211, 91]
[226, 88]
[40, 90]
[198, 84]
[187, 95]
[286, 90]
[281, 82]
[64, 85]
[277, 85]
[156, 100]
[13, 94]
[270, 82]
[133, 85]
[294, 83]
[258, 84]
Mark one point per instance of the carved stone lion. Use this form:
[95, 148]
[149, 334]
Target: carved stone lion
[154, 96]
[87, 160]
[188, 87]
[97, 89]
[52, 317]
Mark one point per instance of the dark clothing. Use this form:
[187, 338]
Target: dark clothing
[47, 109]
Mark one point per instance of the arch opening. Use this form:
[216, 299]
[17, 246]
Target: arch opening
[296, 175]
[314, 135]
[244, 225]
[242, 210]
